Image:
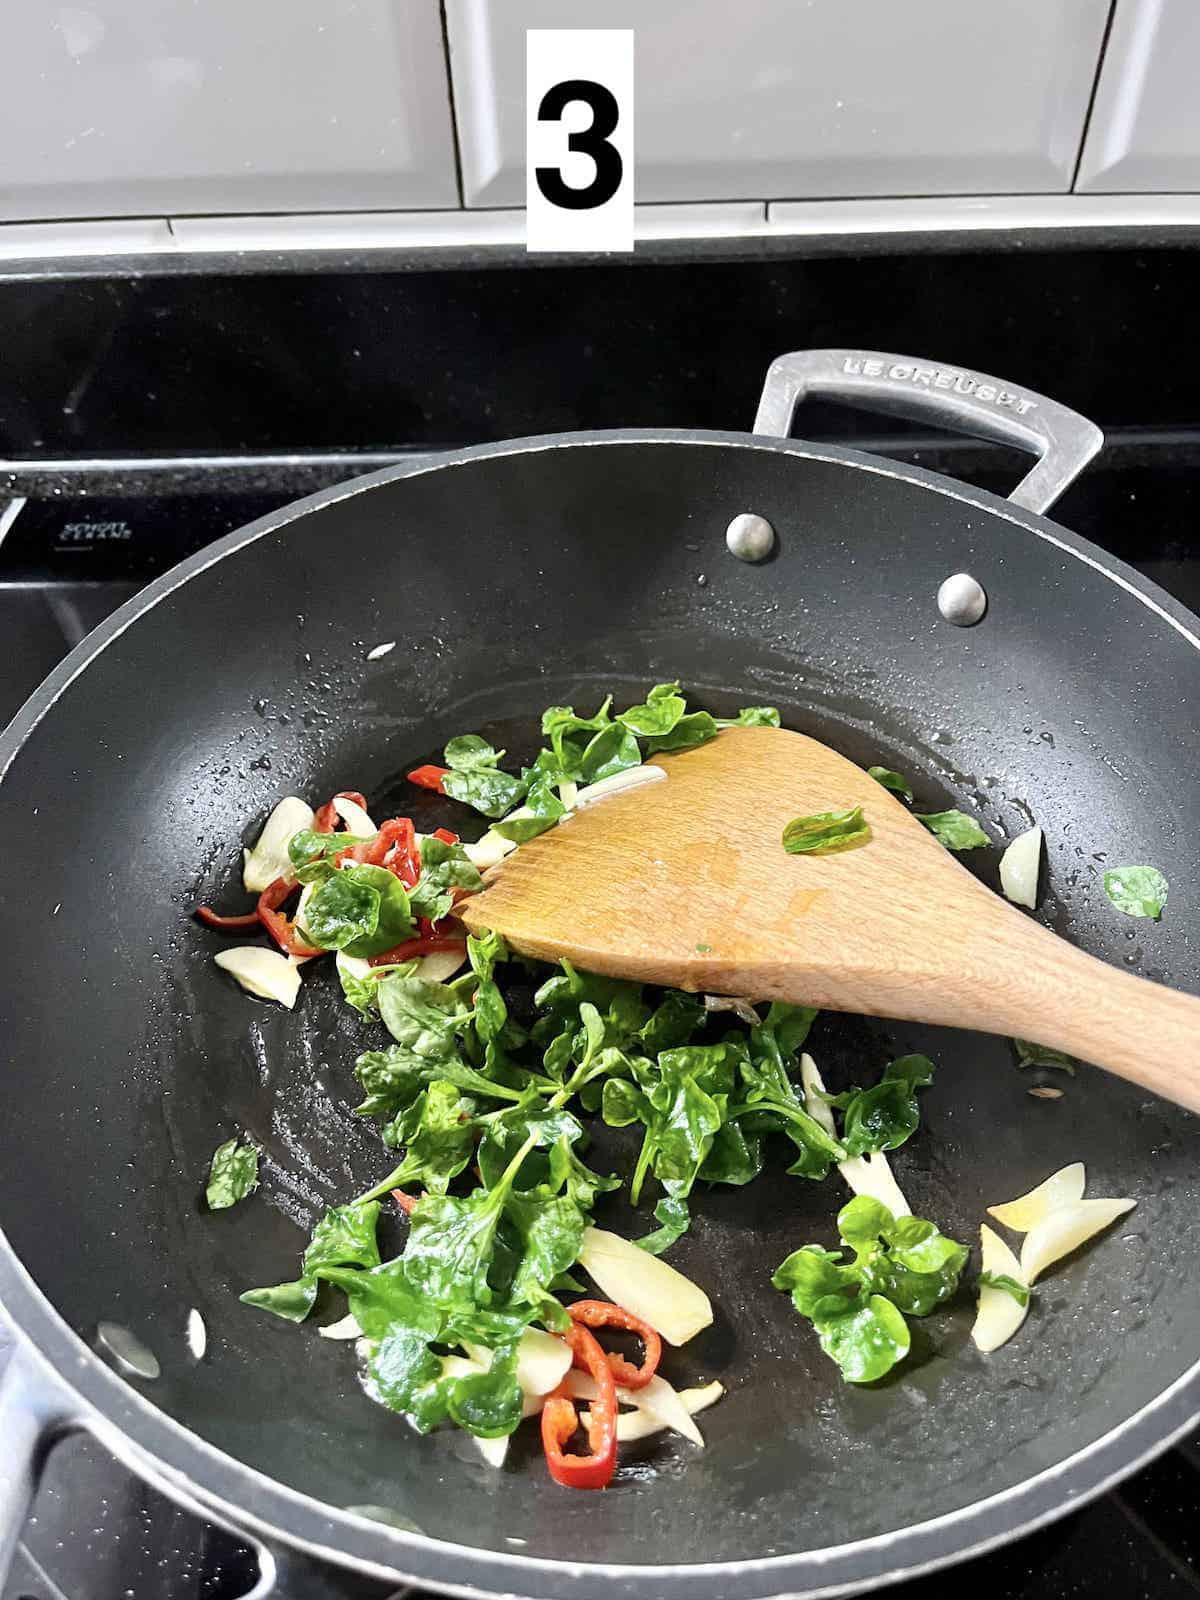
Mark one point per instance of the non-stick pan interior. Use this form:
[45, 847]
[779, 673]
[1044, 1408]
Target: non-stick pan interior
[510, 582]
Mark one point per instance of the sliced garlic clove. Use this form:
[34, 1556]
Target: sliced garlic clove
[646, 1285]
[345, 1328]
[701, 1396]
[440, 965]
[631, 778]
[493, 1451]
[197, 1334]
[996, 1255]
[542, 1360]
[1019, 868]
[265, 973]
[1061, 1188]
[490, 851]
[656, 1399]
[999, 1315]
[818, 1109]
[352, 966]
[268, 859]
[872, 1175]
[662, 1401]
[1064, 1231]
[641, 1424]
[352, 814]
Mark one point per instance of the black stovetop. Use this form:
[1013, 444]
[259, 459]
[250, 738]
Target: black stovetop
[142, 419]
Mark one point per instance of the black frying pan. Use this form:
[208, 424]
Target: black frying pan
[551, 570]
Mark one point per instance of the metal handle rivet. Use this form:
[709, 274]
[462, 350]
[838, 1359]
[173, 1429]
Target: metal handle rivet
[750, 537]
[962, 600]
[127, 1350]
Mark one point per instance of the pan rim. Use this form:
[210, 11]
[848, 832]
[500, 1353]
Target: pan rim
[189, 1469]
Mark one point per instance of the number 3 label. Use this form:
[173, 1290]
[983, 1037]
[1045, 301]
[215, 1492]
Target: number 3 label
[579, 139]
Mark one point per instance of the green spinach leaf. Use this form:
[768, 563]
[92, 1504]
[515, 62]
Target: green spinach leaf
[439, 1132]
[444, 868]
[491, 792]
[811, 1274]
[427, 1017]
[363, 992]
[614, 749]
[545, 808]
[1030, 1054]
[900, 1265]
[676, 1019]
[488, 1404]
[751, 717]
[674, 1220]
[697, 728]
[659, 713]
[362, 910]
[311, 854]
[1020, 1292]
[866, 1335]
[345, 1237]
[884, 1117]
[233, 1175]
[895, 781]
[471, 753]
[1137, 891]
[826, 831]
[955, 829]
[570, 735]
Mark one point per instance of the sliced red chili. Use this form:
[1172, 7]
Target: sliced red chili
[429, 777]
[426, 944]
[603, 1314]
[212, 919]
[398, 850]
[560, 1421]
[282, 928]
[394, 846]
[445, 835]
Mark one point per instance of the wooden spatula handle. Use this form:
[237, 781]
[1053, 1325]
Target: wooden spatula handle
[1137, 1029]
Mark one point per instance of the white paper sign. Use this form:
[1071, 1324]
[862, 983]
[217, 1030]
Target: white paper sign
[579, 139]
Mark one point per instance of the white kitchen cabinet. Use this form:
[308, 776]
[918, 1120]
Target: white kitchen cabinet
[1144, 133]
[162, 107]
[774, 99]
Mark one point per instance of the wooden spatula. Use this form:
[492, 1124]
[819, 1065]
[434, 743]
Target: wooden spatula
[686, 883]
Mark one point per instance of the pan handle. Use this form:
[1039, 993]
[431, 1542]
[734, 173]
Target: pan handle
[34, 1411]
[1063, 441]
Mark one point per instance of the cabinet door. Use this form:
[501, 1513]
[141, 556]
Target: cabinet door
[154, 107]
[774, 99]
[1144, 132]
